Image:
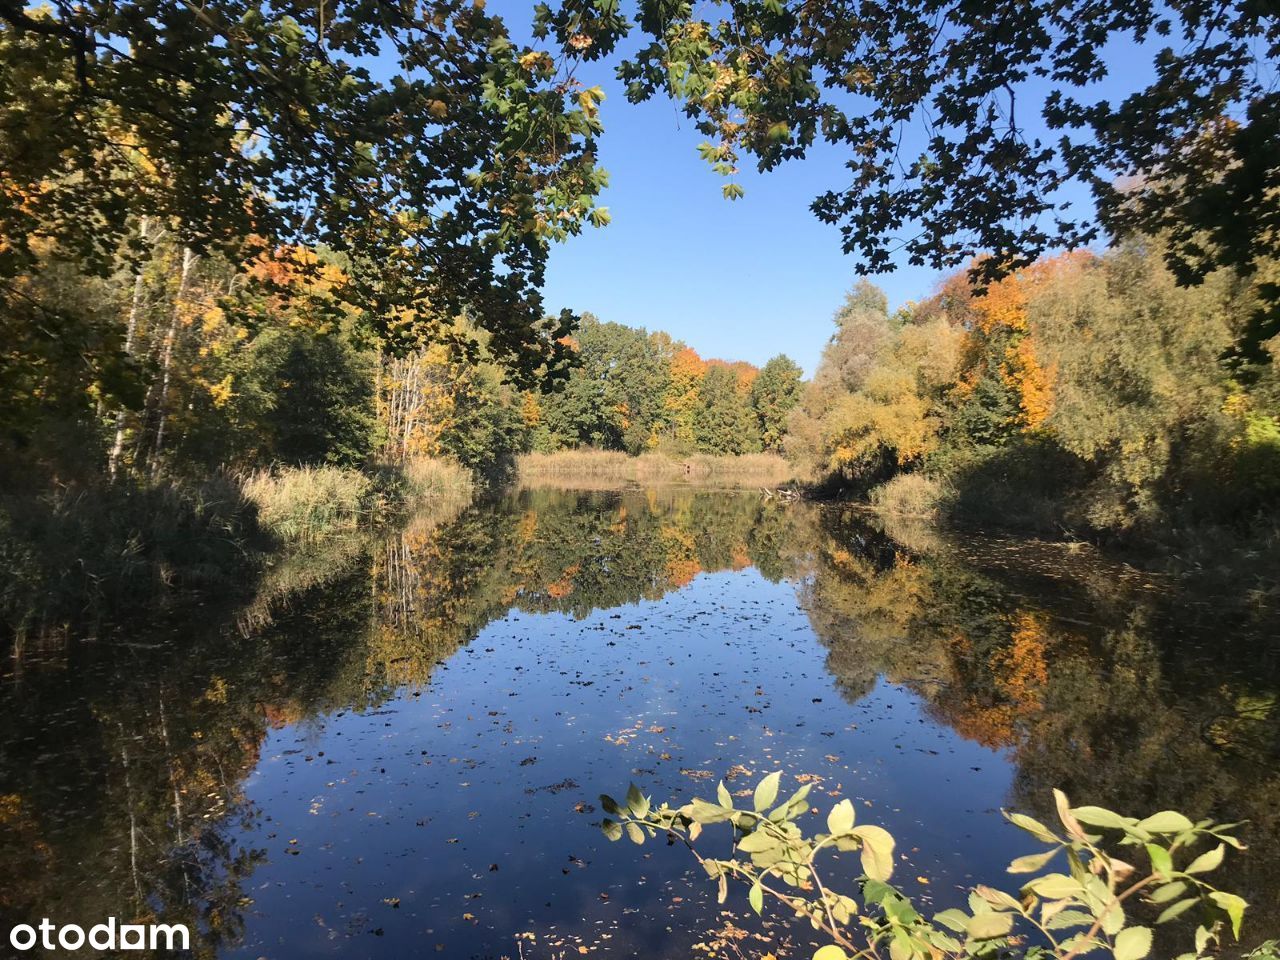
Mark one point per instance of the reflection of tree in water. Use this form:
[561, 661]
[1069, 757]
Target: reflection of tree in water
[121, 765]
[1123, 695]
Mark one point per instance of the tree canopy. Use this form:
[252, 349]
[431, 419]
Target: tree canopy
[441, 175]
[441, 158]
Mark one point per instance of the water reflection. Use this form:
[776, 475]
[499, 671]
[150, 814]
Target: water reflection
[399, 741]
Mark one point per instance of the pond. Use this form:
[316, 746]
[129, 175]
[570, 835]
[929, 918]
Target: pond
[398, 748]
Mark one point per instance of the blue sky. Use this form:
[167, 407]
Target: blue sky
[745, 279]
[742, 280]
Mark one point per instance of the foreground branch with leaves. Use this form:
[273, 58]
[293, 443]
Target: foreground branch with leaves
[1061, 915]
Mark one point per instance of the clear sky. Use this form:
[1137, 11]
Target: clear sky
[741, 280]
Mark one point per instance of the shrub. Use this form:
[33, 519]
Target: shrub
[909, 495]
[1071, 913]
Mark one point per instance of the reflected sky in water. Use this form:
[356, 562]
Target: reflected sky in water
[398, 747]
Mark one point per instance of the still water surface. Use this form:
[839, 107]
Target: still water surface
[397, 749]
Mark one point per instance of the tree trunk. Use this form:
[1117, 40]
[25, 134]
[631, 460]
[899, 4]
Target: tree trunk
[166, 359]
[130, 335]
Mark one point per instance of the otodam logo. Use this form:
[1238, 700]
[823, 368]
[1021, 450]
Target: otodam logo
[101, 936]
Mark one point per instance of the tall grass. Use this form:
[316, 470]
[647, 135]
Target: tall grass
[909, 495]
[302, 503]
[595, 468]
[435, 480]
[71, 557]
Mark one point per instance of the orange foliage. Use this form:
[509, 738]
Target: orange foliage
[1034, 382]
[564, 586]
[1021, 675]
[687, 371]
[745, 373]
[1003, 305]
[682, 557]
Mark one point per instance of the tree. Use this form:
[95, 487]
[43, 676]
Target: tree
[773, 395]
[722, 422]
[1187, 153]
[246, 126]
[683, 396]
[862, 328]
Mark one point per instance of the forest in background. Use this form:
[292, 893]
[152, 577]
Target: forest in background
[209, 414]
[250, 290]
[239, 366]
[1086, 395]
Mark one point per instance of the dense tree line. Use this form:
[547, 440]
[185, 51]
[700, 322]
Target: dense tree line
[243, 365]
[1086, 392]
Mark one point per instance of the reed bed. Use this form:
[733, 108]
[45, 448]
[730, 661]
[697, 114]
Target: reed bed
[436, 480]
[300, 503]
[595, 468]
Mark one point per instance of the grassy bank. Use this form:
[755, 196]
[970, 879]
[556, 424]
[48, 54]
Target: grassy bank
[603, 468]
[303, 503]
[74, 560]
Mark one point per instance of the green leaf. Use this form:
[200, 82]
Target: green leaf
[796, 805]
[755, 897]
[840, 819]
[759, 841]
[876, 892]
[609, 805]
[1113, 919]
[1234, 907]
[1175, 910]
[1167, 892]
[1100, 817]
[1055, 886]
[1069, 918]
[1081, 944]
[611, 829]
[997, 898]
[1132, 943]
[830, 952]
[988, 926]
[635, 833]
[703, 812]
[724, 796]
[767, 792]
[1161, 862]
[1033, 827]
[636, 801]
[877, 851]
[1166, 821]
[1032, 862]
[954, 919]
[1209, 860]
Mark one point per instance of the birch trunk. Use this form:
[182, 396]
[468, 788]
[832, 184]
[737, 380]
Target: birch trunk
[130, 335]
[166, 360]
